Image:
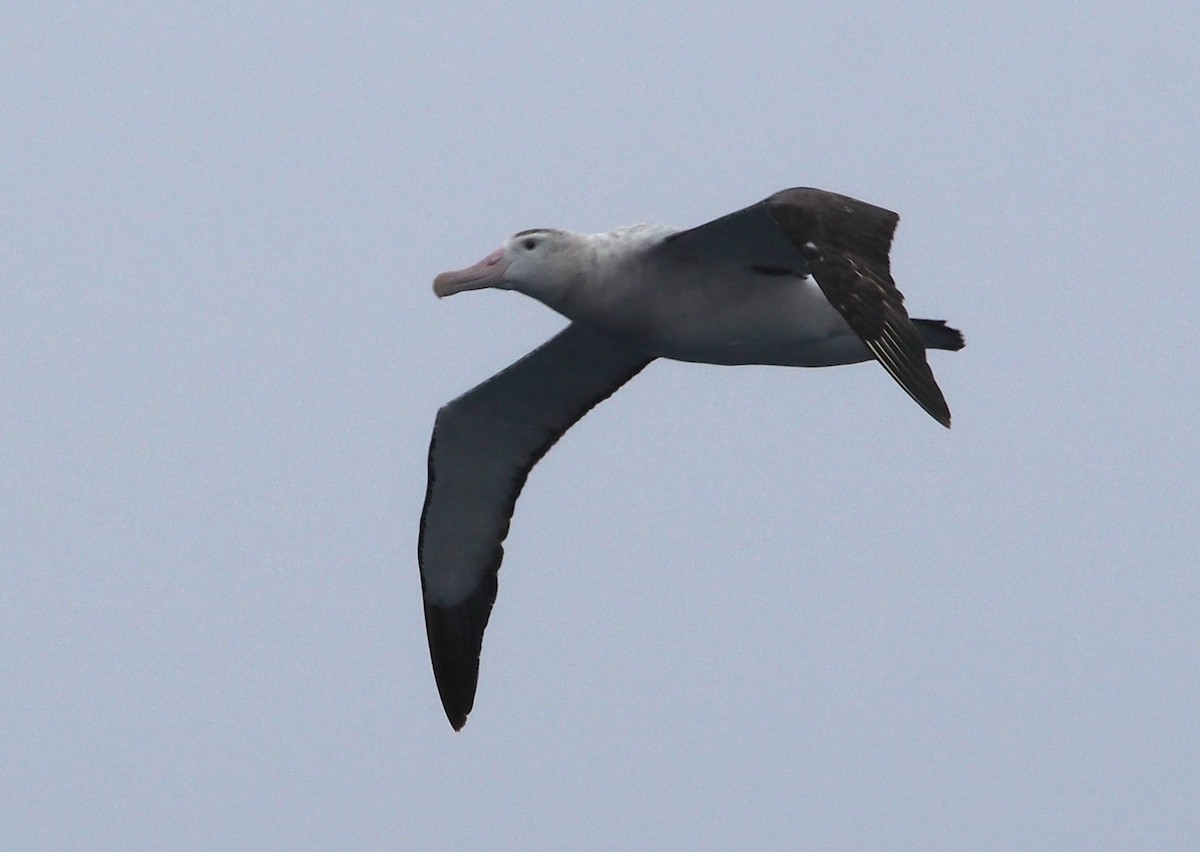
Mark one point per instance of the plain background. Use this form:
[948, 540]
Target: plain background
[741, 607]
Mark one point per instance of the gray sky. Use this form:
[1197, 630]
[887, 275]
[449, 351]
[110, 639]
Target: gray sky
[740, 606]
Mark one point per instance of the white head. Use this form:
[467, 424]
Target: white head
[543, 263]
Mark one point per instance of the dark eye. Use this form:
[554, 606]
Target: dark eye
[530, 244]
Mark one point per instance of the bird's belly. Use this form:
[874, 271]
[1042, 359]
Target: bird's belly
[749, 319]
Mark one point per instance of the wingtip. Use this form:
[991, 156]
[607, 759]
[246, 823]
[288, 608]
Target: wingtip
[455, 640]
[456, 702]
[932, 401]
[940, 413]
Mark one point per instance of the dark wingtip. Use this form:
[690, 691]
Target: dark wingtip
[455, 641]
[455, 665]
[940, 413]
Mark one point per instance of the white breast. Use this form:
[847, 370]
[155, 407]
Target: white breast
[700, 309]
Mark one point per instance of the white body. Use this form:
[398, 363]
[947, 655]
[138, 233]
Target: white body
[700, 309]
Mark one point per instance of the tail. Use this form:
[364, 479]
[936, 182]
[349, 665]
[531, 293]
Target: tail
[938, 335]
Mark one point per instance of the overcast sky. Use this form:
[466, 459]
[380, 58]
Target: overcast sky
[741, 607]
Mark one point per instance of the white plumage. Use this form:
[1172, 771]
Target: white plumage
[800, 279]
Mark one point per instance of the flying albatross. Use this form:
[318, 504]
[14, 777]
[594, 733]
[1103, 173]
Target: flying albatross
[800, 279]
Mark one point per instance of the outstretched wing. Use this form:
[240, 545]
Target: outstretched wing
[846, 244]
[484, 444]
[843, 243]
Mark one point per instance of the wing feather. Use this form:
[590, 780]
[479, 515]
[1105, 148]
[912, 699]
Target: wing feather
[844, 244]
[484, 444]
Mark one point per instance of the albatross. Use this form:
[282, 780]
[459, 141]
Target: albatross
[800, 279]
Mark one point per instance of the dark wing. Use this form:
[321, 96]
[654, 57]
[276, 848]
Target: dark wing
[843, 243]
[484, 444]
[751, 235]
[846, 244]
